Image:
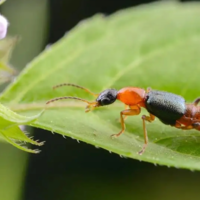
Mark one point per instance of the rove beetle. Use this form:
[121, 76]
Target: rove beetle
[170, 109]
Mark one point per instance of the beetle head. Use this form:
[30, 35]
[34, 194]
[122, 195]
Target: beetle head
[106, 97]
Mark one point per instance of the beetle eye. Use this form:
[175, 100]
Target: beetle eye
[105, 101]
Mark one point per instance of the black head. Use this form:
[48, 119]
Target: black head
[107, 97]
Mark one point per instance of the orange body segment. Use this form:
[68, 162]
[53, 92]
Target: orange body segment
[132, 96]
[191, 117]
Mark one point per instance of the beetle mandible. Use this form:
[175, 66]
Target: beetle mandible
[169, 108]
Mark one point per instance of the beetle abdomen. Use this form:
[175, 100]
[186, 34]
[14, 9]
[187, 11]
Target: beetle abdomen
[166, 106]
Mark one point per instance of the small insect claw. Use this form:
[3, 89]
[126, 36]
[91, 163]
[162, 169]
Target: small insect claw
[88, 108]
[91, 106]
[142, 150]
[114, 136]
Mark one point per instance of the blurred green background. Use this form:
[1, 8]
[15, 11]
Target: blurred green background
[65, 169]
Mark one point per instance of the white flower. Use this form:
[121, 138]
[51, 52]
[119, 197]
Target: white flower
[3, 26]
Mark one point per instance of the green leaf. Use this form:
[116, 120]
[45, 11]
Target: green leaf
[7, 72]
[10, 131]
[155, 45]
[6, 47]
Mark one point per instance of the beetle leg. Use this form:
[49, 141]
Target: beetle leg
[179, 126]
[126, 107]
[149, 119]
[185, 127]
[196, 101]
[128, 112]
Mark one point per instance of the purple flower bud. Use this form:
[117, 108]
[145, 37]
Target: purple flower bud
[3, 26]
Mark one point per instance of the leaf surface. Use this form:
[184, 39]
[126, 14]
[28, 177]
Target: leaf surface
[10, 131]
[155, 45]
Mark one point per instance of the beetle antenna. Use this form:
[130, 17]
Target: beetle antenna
[77, 86]
[61, 98]
[89, 107]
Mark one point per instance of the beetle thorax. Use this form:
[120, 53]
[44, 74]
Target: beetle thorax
[131, 96]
